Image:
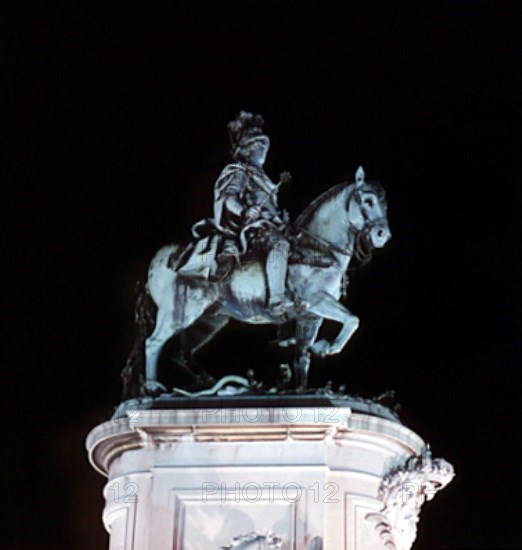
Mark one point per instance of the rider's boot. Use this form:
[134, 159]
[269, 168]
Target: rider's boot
[276, 268]
[226, 261]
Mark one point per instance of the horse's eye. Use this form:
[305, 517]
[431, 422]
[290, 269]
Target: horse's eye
[368, 202]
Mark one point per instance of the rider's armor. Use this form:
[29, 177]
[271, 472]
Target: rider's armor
[251, 187]
[232, 233]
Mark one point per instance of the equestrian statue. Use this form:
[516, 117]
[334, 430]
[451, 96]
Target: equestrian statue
[248, 262]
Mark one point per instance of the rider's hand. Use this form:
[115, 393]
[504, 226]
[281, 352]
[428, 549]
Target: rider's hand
[252, 213]
[285, 178]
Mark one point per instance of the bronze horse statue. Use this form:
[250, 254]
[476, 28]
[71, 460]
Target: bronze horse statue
[335, 227]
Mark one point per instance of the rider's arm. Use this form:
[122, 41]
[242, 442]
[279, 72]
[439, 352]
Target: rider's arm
[233, 193]
[230, 189]
[235, 203]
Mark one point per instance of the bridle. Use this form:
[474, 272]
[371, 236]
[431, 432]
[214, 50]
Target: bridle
[357, 197]
[358, 236]
[368, 224]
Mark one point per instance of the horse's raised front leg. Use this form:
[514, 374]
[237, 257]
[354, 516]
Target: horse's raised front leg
[306, 329]
[325, 305]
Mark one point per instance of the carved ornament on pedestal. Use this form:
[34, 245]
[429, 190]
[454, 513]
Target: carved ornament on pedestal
[403, 491]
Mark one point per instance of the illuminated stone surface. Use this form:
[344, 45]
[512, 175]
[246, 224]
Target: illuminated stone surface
[194, 479]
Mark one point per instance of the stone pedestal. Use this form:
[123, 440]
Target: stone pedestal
[261, 475]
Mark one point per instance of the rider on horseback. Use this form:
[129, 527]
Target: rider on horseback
[247, 218]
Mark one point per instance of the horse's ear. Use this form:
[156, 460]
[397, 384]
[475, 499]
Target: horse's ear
[359, 176]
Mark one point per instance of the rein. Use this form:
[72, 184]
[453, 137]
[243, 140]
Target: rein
[351, 229]
[331, 247]
[327, 244]
[333, 263]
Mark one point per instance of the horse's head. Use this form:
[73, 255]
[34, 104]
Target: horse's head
[348, 218]
[366, 207]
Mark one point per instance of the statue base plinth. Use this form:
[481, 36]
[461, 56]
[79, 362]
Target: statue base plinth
[194, 478]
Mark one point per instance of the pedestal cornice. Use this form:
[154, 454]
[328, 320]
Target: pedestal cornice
[156, 427]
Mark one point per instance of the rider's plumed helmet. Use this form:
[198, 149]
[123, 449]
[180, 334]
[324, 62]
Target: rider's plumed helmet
[244, 131]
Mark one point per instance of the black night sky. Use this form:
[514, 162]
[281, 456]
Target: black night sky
[113, 131]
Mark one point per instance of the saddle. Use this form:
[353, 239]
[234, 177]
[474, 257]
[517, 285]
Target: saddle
[214, 256]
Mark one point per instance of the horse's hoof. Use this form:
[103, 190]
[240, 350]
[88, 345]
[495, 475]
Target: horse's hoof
[320, 348]
[153, 388]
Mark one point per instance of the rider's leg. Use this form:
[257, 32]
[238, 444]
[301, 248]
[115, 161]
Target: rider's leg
[276, 269]
[227, 259]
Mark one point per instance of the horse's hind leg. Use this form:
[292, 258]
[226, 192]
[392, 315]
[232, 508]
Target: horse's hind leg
[307, 327]
[163, 330]
[200, 333]
[186, 303]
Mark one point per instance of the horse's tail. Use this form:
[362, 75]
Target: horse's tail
[145, 318]
[161, 272]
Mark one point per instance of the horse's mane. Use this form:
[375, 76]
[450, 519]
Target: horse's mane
[363, 247]
[316, 203]
[305, 215]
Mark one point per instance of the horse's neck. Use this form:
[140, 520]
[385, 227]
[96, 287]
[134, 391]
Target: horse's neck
[330, 224]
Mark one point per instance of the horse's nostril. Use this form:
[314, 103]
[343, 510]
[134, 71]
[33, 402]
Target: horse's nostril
[380, 233]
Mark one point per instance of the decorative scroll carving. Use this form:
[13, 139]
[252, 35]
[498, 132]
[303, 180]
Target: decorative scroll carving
[403, 491]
